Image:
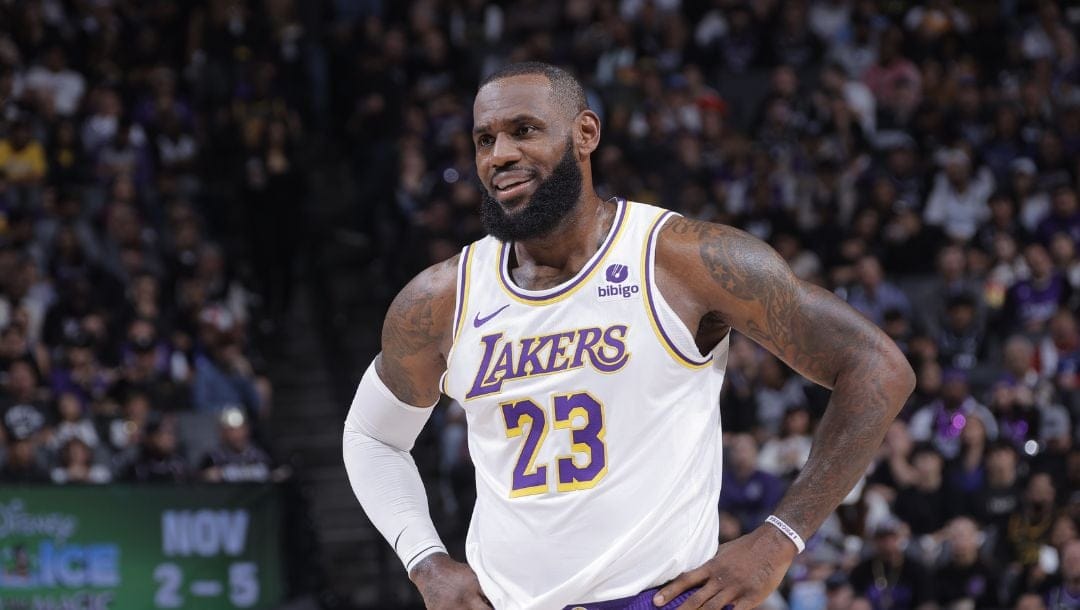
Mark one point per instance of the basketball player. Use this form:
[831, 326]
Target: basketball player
[586, 341]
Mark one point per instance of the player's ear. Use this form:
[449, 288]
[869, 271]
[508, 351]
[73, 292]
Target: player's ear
[586, 132]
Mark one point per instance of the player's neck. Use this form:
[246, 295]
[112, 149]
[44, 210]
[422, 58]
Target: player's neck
[578, 236]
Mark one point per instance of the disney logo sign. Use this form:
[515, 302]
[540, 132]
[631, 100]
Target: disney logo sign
[14, 520]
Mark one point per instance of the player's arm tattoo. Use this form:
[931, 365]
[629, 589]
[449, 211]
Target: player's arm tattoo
[415, 333]
[754, 291]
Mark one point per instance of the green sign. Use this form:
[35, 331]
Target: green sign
[139, 547]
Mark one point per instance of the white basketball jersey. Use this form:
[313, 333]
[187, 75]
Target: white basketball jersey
[593, 424]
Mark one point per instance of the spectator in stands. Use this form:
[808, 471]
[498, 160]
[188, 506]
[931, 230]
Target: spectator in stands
[1032, 302]
[77, 464]
[1001, 498]
[15, 345]
[1044, 37]
[1004, 147]
[81, 372]
[873, 295]
[77, 298]
[1018, 360]
[785, 455]
[146, 371]
[237, 459]
[125, 429]
[961, 342]
[925, 505]
[1028, 529]
[22, 404]
[894, 470]
[966, 475]
[22, 464]
[1033, 201]
[59, 89]
[964, 575]
[778, 391]
[958, 200]
[1064, 531]
[894, 80]
[1063, 251]
[72, 423]
[952, 279]
[928, 380]
[793, 42]
[836, 82]
[750, 493]
[942, 421]
[22, 159]
[158, 460]
[176, 148]
[838, 592]
[67, 166]
[889, 579]
[1003, 222]
[1063, 591]
[1064, 216]
[1017, 415]
[1059, 350]
[223, 376]
[1055, 443]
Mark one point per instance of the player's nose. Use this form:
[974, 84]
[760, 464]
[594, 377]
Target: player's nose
[504, 151]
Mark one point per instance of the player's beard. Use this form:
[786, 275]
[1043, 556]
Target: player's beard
[552, 200]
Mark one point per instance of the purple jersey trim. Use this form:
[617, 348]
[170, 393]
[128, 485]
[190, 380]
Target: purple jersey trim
[653, 232]
[540, 296]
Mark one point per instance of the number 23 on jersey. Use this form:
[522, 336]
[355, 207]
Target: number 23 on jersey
[524, 417]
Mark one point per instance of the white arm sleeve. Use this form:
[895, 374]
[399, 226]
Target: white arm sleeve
[379, 432]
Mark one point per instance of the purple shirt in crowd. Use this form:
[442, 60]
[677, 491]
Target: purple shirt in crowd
[750, 500]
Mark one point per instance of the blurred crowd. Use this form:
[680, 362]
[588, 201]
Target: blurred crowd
[918, 159]
[147, 179]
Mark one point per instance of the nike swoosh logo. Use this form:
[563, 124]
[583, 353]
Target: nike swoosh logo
[478, 321]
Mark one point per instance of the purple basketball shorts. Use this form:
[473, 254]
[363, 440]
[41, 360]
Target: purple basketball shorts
[641, 601]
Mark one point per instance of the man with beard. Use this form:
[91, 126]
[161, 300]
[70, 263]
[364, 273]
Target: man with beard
[586, 340]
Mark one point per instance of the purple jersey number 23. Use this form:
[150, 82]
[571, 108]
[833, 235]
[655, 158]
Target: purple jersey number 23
[587, 439]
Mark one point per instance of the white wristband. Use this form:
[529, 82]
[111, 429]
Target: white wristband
[796, 539]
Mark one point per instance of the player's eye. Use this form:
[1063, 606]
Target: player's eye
[485, 141]
[525, 130]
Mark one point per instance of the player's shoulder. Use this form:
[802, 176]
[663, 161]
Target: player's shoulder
[686, 238]
[423, 310]
[703, 254]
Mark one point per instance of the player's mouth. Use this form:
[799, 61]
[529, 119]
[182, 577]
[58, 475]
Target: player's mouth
[510, 186]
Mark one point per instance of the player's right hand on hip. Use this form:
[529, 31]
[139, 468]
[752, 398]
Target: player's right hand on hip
[446, 584]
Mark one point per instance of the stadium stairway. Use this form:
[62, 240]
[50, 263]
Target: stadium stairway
[315, 363]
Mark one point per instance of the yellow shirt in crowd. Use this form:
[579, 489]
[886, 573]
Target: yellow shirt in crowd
[25, 164]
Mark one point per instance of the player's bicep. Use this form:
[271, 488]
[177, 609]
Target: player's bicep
[415, 335]
[753, 289]
[814, 332]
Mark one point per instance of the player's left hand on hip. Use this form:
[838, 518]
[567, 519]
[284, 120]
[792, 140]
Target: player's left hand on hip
[742, 574]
